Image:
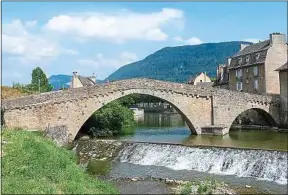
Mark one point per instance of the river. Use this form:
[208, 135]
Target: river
[171, 128]
[243, 157]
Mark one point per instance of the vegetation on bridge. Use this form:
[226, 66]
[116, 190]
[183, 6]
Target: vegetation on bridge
[33, 164]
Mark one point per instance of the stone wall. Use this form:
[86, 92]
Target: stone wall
[284, 97]
[201, 107]
[276, 57]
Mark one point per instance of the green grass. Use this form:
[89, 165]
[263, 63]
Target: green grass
[33, 164]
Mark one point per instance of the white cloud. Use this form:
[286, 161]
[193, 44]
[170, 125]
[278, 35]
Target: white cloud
[70, 51]
[117, 27]
[104, 66]
[193, 41]
[18, 42]
[178, 38]
[190, 41]
[31, 24]
[252, 40]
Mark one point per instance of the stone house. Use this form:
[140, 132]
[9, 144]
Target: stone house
[222, 76]
[81, 81]
[252, 69]
[283, 78]
[199, 79]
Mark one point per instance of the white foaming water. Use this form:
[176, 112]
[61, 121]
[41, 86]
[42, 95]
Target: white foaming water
[260, 164]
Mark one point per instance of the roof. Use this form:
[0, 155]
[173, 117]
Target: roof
[283, 67]
[86, 81]
[254, 48]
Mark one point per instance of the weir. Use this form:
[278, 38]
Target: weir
[259, 164]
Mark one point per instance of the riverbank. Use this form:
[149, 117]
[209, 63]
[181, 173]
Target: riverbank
[33, 164]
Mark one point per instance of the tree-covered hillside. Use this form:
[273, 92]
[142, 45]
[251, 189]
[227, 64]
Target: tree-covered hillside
[179, 63]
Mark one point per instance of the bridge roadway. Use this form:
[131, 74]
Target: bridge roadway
[206, 110]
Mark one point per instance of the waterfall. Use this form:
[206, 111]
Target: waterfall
[260, 164]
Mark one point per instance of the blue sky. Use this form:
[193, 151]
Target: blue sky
[100, 37]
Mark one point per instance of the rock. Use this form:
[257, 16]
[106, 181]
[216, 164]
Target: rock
[135, 179]
[247, 186]
[169, 181]
[85, 137]
[180, 182]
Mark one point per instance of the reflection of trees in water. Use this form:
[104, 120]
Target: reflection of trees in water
[253, 135]
[162, 120]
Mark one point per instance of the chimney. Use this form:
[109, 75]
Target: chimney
[205, 76]
[229, 61]
[93, 78]
[242, 46]
[72, 84]
[277, 38]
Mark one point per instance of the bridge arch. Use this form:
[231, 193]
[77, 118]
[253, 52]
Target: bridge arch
[261, 111]
[97, 103]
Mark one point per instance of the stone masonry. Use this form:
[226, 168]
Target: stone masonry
[206, 110]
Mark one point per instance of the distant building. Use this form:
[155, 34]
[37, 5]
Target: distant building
[199, 79]
[81, 81]
[252, 69]
[222, 76]
[283, 78]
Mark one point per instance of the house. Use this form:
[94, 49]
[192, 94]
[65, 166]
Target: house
[222, 76]
[252, 69]
[199, 79]
[81, 81]
[283, 79]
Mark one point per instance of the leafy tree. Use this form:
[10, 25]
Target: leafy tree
[113, 117]
[39, 79]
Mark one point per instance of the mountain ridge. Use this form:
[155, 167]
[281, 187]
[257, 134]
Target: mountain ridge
[179, 63]
[176, 64]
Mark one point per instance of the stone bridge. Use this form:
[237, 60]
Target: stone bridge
[206, 110]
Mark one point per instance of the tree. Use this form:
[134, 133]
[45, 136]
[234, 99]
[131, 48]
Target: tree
[39, 81]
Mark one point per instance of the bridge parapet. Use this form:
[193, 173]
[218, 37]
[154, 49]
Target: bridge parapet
[122, 85]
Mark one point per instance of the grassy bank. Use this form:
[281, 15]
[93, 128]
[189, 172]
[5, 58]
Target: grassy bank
[33, 164]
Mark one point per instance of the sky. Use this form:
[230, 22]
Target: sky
[100, 37]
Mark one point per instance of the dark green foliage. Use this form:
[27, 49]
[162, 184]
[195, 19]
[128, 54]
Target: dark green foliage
[133, 99]
[2, 117]
[39, 81]
[33, 164]
[179, 63]
[113, 117]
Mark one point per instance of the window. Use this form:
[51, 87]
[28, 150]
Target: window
[239, 86]
[247, 69]
[200, 81]
[257, 56]
[255, 70]
[247, 58]
[239, 73]
[256, 84]
[247, 80]
[240, 60]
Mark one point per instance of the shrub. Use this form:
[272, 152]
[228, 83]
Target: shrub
[111, 118]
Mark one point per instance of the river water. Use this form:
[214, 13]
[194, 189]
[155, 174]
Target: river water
[248, 157]
[171, 128]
